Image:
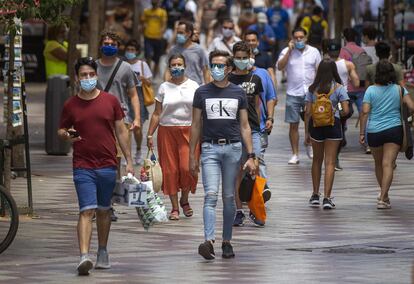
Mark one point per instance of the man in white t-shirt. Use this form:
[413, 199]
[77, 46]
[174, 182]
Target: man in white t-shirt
[227, 38]
[369, 39]
[300, 62]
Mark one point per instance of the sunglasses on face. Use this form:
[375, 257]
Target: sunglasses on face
[214, 65]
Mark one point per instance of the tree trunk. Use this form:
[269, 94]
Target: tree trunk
[94, 20]
[9, 127]
[74, 32]
[135, 27]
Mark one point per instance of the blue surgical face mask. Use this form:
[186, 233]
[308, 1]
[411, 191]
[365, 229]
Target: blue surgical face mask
[109, 50]
[300, 44]
[88, 85]
[130, 55]
[251, 63]
[241, 63]
[181, 39]
[217, 74]
[177, 71]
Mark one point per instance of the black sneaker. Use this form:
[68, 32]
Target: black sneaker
[227, 250]
[239, 219]
[114, 218]
[328, 204]
[266, 194]
[206, 250]
[314, 200]
[256, 222]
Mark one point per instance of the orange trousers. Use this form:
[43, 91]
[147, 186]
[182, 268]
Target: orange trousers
[174, 155]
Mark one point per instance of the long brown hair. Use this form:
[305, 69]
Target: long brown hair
[327, 73]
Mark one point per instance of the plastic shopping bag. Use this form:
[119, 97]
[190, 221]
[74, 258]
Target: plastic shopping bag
[155, 211]
[130, 192]
[256, 203]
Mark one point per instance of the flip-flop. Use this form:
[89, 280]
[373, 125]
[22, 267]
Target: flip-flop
[187, 210]
[174, 215]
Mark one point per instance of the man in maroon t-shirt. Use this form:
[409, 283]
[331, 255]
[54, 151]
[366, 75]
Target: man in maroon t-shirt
[91, 120]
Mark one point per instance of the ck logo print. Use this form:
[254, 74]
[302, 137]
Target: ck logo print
[222, 108]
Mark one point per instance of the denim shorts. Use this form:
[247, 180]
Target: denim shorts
[294, 104]
[94, 187]
[320, 134]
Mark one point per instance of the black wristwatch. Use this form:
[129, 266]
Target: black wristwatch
[251, 155]
[271, 119]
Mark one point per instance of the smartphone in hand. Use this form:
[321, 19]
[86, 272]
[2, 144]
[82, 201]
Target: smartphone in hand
[73, 133]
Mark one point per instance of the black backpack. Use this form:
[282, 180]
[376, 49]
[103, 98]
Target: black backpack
[315, 32]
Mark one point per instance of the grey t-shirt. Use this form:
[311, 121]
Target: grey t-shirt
[195, 60]
[124, 80]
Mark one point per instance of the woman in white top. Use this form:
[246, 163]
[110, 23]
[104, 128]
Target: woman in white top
[172, 116]
[143, 72]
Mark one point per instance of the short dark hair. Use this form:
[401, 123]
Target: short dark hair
[370, 32]
[228, 20]
[299, 29]
[134, 43]
[350, 34]
[85, 61]
[217, 53]
[176, 56]
[112, 35]
[317, 10]
[251, 32]
[383, 50]
[385, 73]
[241, 46]
[188, 26]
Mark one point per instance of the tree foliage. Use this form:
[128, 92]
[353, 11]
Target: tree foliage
[50, 11]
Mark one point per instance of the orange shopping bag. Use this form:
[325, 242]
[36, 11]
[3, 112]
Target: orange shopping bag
[256, 203]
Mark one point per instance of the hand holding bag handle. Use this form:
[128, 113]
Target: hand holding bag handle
[155, 171]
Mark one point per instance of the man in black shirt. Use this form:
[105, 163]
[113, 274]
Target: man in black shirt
[220, 118]
[252, 85]
[262, 59]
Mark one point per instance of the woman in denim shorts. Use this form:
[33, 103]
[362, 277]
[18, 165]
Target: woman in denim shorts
[325, 140]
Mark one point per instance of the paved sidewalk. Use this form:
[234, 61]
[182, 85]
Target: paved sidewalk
[355, 243]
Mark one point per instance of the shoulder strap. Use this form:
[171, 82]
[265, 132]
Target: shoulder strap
[111, 79]
[228, 47]
[349, 51]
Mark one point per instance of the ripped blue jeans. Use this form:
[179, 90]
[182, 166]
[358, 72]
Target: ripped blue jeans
[219, 162]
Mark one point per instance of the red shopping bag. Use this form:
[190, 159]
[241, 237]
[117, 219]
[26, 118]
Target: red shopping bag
[256, 203]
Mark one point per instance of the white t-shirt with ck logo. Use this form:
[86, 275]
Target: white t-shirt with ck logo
[220, 109]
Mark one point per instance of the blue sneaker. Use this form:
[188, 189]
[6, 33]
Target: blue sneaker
[239, 219]
[256, 222]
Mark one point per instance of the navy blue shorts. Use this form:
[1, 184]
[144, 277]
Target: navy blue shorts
[390, 135]
[94, 187]
[320, 134]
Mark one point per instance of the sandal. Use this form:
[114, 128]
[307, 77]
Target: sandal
[187, 210]
[174, 215]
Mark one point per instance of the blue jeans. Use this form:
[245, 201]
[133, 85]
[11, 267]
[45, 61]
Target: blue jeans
[219, 161]
[357, 98]
[262, 164]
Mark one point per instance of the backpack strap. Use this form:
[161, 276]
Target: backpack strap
[227, 46]
[111, 79]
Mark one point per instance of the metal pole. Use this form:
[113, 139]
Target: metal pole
[27, 151]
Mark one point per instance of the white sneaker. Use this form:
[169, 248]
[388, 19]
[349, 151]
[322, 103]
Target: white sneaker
[309, 151]
[138, 158]
[294, 160]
